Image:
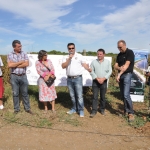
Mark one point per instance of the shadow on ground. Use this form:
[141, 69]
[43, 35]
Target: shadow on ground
[63, 98]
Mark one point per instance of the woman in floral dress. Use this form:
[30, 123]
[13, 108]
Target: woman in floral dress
[46, 94]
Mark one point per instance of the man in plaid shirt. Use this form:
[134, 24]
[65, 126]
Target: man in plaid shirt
[17, 62]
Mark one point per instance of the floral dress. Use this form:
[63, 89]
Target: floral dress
[45, 93]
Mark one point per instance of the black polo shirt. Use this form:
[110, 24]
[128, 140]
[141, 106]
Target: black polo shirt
[127, 56]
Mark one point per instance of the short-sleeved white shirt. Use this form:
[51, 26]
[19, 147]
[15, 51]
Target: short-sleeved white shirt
[1, 64]
[75, 66]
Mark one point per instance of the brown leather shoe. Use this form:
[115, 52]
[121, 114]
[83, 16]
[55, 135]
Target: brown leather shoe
[30, 112]
[131, 117]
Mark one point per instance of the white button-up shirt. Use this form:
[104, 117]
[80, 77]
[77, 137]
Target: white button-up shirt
[1, 64]
[75, 66]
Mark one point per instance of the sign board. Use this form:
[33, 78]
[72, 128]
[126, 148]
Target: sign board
[61, 78]
[138, 78]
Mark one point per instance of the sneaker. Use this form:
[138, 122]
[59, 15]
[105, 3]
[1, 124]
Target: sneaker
[70, 112]
[131, 117]
[92, 115]
[1, 107]
[81, 114]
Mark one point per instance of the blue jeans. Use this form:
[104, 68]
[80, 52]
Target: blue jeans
[76, 90]
[20, 84]
[96, 89]
[124, 84]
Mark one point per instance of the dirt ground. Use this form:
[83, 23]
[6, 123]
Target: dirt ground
[101, 132]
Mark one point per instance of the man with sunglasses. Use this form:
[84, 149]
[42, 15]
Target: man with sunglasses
[74, 64]
[124, 64]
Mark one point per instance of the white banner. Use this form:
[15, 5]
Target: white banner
[61, 78]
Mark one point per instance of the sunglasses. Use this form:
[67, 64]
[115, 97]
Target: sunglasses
[120, 47]
[71, 48]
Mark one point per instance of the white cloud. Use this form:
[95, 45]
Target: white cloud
[12, 32]
[130, 23]
[84, 16]
[84, 33]
[106, 6]
[41, 14]
[135, 14]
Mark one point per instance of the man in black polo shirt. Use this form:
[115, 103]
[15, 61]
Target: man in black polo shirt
[124, 64]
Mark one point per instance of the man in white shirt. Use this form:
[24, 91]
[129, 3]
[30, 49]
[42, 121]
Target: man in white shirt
[1, 85]
[74, 64]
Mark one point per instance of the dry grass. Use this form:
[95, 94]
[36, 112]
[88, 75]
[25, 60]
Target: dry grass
[63, 103]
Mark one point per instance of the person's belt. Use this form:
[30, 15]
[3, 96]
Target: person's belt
[18, 74]
[73, 77]
[126, 72]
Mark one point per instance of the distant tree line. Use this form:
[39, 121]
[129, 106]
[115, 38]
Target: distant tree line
[88, 53]
[52, 52]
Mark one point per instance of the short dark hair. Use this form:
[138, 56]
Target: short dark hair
[121, 41]
[41, 54]
[101, 50]
[15, 42]
[70, 44]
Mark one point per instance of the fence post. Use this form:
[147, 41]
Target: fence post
[84, 52]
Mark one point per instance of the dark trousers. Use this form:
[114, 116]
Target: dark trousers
[124, 84]
[96, 89]
[20, 84]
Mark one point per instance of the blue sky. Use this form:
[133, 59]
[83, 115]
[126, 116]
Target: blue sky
[51, 24]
